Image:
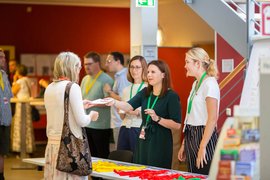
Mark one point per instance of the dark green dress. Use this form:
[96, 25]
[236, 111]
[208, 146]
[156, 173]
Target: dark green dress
[157, 148]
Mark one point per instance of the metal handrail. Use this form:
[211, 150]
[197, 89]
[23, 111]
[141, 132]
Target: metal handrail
[237, 6]
[232, 87]
[228, 78]
[252, 18]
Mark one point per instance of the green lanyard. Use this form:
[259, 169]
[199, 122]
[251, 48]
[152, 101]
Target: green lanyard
[194, 92]
[130, 94]
[148, 107]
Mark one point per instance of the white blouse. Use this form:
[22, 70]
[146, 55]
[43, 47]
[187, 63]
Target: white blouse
[198, 115]
[54, 104]
[131, 120]
[25, 91]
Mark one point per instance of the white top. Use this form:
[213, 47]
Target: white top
[54, 104]
[25, 91]
[131, 120]
[198, 114]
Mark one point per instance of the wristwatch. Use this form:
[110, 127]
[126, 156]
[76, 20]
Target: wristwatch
[159, 118]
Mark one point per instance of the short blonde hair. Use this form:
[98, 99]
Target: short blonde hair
[199, 54]
[66, 65]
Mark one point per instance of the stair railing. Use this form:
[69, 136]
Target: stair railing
[232, 74]
[238, 69]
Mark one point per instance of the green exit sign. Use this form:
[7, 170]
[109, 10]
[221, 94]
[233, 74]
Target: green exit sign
[145, 3]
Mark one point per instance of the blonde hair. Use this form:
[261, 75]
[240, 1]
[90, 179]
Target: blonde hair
[199, 54]
[66, 65]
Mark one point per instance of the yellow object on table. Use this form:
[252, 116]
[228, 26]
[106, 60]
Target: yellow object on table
[105, 166]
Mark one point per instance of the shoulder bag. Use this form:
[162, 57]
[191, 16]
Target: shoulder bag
[74, 154]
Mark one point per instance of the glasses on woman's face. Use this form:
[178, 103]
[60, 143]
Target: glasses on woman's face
[135, 67]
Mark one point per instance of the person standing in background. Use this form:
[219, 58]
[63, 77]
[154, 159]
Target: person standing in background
[12, 66]
[22, 91]
[200, 126]
[132, 120]
[115, 64]
[92, 85]
[5, 113]
[67, 68]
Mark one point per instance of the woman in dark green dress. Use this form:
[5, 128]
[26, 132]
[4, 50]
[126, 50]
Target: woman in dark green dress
[161, 112]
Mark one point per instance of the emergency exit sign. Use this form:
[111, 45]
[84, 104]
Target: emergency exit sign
[145, 3]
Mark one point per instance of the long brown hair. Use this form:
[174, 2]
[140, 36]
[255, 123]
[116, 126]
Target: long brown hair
[166, 82]
[144, 68]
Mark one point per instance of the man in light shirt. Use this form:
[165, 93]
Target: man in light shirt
[115, 64]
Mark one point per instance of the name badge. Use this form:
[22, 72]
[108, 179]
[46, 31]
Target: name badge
[142, 133]
[5, 100]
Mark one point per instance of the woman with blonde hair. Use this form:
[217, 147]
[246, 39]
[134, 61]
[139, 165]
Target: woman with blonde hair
[67, 67]
[200, 130]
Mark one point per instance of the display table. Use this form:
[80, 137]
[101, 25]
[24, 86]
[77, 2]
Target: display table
[40, 162]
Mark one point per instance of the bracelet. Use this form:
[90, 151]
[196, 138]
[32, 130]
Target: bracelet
[159, 118]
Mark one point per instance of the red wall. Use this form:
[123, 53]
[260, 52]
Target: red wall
[229, 97]
[175, 58]
[51, 29]
[225, 51]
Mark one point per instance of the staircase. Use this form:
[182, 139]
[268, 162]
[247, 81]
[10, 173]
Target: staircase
[229, 20]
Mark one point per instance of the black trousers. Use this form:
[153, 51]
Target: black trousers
[99, 142]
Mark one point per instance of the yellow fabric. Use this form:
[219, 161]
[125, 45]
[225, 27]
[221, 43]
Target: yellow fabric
[2, 84]
[91, 83]
[105, 166]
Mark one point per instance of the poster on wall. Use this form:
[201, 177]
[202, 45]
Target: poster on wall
[29, 60]
[45, 64]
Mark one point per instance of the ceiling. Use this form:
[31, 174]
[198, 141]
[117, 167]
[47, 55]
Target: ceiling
[181, 27]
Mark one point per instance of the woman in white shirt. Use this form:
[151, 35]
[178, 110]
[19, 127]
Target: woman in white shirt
[202, 112]
[22, 91]
[132, 120]
[67, 67]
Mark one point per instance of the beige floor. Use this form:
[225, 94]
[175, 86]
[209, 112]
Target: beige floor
[14, 169]
[17, 174]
